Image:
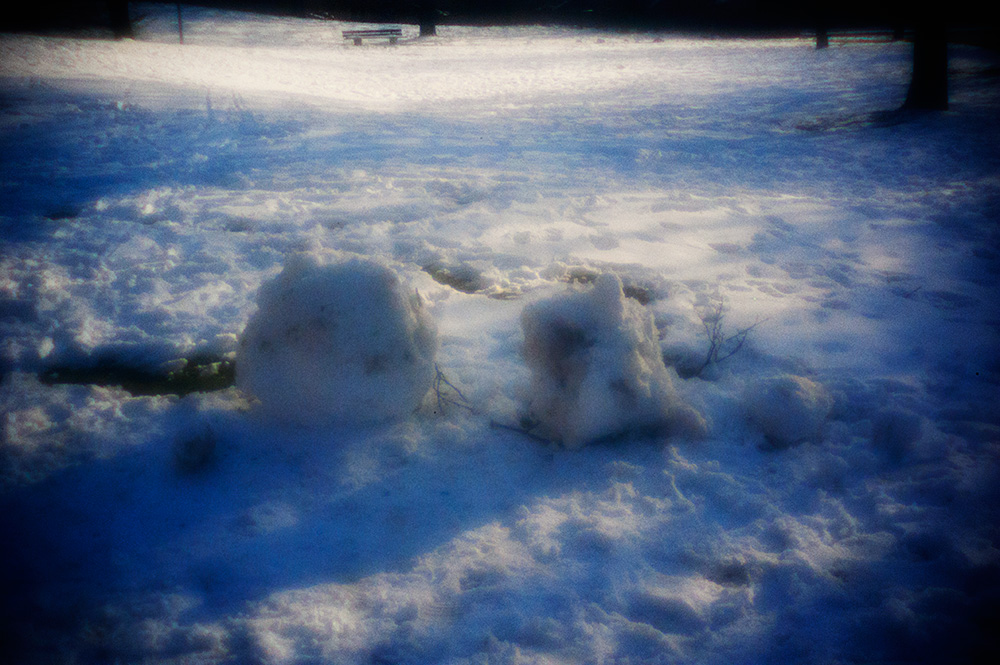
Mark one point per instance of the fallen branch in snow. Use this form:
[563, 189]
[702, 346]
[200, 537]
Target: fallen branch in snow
[441, 385]
[721, 346]
[197, 374]
[521, 430]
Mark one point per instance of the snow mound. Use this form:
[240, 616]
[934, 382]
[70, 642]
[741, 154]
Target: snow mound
[597, 370]
[341, 342]
[788, 409]
[896, 431]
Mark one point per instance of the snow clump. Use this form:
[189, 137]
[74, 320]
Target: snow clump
[597, 369]
[337, 343]
[896, 432]
[788, 409]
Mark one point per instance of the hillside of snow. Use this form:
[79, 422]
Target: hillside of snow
[513, 345]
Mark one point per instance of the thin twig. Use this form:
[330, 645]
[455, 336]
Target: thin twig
[520, 430]
[717, 339]
[440, 383]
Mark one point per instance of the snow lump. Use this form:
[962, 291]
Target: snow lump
[597, 369]
[788, 409]
[337, 343]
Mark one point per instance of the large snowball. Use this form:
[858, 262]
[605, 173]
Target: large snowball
[788, 409]
[597, 369]
[337, 343]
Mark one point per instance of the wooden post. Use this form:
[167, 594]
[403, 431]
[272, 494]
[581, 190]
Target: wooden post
[180, 23]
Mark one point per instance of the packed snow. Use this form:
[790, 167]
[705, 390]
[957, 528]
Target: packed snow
[597, 368]
[788, 410]
[341, 342]
[549, 346]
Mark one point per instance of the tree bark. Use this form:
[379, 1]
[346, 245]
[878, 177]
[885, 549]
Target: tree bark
[822, 37]
[121, 24]
[427, 18]
[929, 81]
[180, 24]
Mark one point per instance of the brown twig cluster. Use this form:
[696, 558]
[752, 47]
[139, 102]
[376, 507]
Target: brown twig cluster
[720, 345]
[447, 392]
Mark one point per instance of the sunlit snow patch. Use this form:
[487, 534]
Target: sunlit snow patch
[341, 342]
[597, 368]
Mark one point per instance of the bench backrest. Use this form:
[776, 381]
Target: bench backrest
[384, 32]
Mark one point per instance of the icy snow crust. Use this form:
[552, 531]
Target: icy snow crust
[839, 506]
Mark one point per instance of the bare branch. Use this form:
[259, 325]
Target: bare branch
[521, 430]
[448, 393]
[720, 346]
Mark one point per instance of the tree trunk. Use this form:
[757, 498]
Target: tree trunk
[428, 19]
[929, 82]
[822, 37]
[820, 18]
[121, 25]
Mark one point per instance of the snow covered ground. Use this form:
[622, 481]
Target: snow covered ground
[830, 495]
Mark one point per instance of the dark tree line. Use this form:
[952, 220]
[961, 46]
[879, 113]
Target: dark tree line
[928, 26]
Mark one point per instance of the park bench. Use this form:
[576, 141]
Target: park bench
[357, 35]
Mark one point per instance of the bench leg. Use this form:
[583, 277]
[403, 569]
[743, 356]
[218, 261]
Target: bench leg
[357, 41]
